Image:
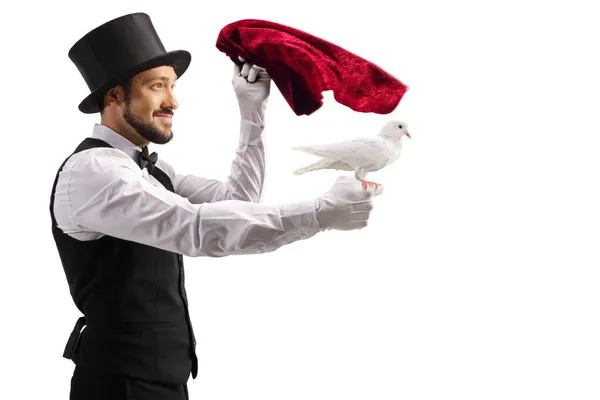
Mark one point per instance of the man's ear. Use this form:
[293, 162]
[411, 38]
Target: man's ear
[115, 96]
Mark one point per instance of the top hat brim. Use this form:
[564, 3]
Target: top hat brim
[178, 59]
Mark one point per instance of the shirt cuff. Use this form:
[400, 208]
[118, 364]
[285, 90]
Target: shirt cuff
[300, 218]
[250, 132]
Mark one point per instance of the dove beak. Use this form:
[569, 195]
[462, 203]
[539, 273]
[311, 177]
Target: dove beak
[408, 134]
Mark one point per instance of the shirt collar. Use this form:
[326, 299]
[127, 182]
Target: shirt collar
[116, 140]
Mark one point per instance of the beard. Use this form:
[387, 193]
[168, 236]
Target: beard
[148, 130]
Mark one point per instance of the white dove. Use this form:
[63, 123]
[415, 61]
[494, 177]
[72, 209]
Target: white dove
[361, 155]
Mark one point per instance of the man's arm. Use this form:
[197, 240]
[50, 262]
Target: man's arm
[102, 191]
[245, 181]
[252, 86]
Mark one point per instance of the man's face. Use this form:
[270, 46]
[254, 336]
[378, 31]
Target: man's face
[149, 108]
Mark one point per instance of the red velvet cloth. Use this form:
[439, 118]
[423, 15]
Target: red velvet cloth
[303, 66]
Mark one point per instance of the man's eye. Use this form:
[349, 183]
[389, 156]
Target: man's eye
[157, 85]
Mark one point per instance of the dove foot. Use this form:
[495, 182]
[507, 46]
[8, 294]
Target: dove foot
[367, 184]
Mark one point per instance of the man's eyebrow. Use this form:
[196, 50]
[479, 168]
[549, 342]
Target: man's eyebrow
[162, 78]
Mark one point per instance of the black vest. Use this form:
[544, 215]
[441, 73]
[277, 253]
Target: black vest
[133, 300]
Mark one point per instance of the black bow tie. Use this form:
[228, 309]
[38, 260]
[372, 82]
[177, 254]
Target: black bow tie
[148, 160]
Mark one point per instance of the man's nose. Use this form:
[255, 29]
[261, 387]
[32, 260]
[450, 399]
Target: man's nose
[171, 102]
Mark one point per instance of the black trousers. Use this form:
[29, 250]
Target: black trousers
[91, 385]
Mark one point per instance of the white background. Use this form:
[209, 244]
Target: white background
[488, 224]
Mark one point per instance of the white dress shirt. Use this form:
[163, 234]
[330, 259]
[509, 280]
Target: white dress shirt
[103, 191]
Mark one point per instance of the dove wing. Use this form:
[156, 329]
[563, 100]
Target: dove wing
[355, 152]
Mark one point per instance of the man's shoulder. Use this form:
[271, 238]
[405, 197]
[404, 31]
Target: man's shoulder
[97, 159]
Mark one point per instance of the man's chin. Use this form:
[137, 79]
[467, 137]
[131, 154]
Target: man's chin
[168, 137]
[163, 138]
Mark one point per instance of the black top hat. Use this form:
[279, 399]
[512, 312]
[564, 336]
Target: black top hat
[117, 50]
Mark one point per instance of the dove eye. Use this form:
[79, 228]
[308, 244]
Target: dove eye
[400, 126]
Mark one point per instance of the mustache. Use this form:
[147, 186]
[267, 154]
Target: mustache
[168, 112]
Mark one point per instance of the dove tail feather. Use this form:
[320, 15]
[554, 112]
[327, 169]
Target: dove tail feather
[309, 149]
[317, 165]
[322, 164]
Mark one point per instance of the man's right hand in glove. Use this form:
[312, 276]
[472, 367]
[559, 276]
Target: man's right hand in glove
[346, 206]
[252, 85]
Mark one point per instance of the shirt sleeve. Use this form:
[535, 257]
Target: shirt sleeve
[245, 181]
[104, 191]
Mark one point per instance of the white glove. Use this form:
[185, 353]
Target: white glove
[252, 85]
[346, 206]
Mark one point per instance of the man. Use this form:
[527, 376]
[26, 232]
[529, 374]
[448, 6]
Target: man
[122, 219]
